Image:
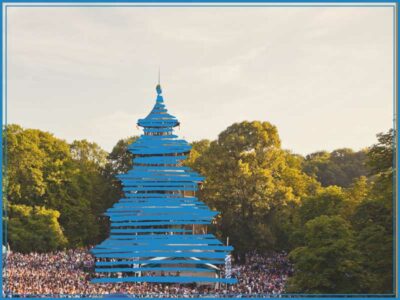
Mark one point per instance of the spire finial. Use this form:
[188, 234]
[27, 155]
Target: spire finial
[158, 87]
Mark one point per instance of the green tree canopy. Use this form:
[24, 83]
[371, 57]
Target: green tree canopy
[365, 209]
[43, 170]
[328, 201]
[381, 154]
[373, 218]
[34, 228]
[120, 159]
[339, 167]
[88, 153]
[35, 161]
[248, 178]
[327, 263]
[198, 149]
[382, 171]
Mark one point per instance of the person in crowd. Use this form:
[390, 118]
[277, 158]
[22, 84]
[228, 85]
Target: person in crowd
[68, 273]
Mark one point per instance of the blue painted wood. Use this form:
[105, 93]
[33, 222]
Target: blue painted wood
[164, 261]
[152, 225]
[166, 279]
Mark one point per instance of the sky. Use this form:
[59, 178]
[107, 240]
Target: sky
[322, 75]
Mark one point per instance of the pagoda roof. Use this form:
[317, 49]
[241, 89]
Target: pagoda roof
[159, 116]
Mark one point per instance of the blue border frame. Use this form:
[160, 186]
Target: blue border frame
[231, 3]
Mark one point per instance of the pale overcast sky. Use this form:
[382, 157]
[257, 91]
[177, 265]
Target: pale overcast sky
[323, 76]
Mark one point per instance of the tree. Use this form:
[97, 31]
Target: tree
[34, 228]
[86, 226]
[34, 161]
[88, 153]
[286, 220]
[45, 171]
[373, 218]
[359, 190]
[247, 175]
[381, 155]
[340, 167]
[360, 252]
[120, 159]
[198, 149]
[327, 263]
[374, 235]
[328, 201]
[381, 164]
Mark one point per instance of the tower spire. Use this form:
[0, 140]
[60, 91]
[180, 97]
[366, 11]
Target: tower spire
[158, 87]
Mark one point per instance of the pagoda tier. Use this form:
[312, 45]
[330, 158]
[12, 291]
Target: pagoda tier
[152, 235]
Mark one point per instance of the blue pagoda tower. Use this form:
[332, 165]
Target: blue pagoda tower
[158, 230]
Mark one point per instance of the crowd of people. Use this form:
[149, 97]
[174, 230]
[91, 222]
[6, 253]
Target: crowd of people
[261, 274]
[68, 274]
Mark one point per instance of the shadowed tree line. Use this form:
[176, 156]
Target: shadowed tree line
[332, 211]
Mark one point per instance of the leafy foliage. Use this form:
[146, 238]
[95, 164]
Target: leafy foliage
[374, 217]
[366, 246]
[120, 159]
[34, 228]
[340, 167]
[328, 263]
[248, 179]
[380, 155]
[45, 171]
